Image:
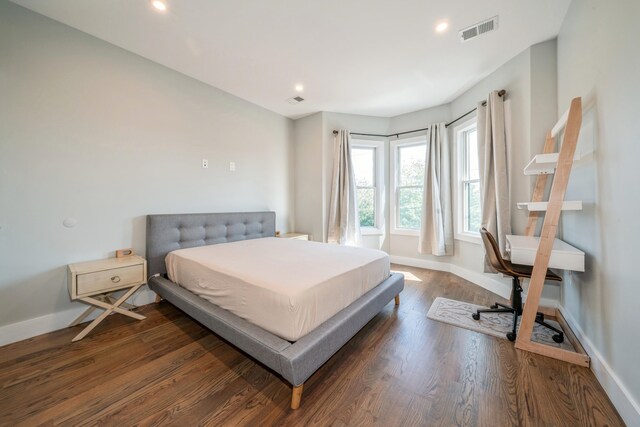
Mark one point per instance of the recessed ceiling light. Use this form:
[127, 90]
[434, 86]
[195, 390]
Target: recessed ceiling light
[159, 5]
[442, 27]
[299, 88]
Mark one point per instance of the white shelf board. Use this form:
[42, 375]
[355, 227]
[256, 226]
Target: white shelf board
[570, 205]
[563, 256]
[543, 164]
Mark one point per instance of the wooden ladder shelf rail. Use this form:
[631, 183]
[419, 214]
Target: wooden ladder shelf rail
[573, 120]
[538, 191]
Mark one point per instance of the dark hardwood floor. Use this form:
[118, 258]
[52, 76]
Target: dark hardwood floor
[400, 369]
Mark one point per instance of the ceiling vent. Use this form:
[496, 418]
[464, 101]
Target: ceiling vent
[295, 100]
[479, 29]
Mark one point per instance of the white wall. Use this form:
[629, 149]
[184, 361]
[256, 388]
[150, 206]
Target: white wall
[93, 132]
[544, 89]
[599, 60]
[309, 201]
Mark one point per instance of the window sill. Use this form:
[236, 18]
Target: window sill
[371, 231]
[468, 237]
[402, 232]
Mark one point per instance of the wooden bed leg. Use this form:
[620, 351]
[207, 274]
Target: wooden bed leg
[398, 299]
[296, 395]
[158, 298]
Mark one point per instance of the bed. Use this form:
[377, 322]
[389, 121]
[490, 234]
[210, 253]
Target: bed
[294, 354]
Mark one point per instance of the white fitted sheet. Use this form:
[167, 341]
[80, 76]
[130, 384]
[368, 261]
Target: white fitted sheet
[286, 286]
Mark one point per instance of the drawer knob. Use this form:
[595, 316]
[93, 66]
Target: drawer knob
[115, 279]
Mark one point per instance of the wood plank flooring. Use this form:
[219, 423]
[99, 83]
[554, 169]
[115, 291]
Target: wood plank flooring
[402, 369]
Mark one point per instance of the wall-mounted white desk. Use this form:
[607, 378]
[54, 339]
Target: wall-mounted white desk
[564, 256]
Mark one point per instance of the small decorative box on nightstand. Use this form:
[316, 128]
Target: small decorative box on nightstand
[297, 236]
[93, 281]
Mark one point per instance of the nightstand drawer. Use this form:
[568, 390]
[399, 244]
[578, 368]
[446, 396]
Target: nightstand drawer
[111, 279]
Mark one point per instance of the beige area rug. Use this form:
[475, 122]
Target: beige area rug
[458, 313]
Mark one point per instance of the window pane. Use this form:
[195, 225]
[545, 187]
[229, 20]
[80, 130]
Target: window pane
[411, 164]
[409, 208]
[363, 166]
[472, 150]
[366, 206]
[472, 207]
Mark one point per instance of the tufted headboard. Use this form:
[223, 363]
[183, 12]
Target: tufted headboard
[166, 233]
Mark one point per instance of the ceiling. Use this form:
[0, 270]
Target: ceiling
[371, 57]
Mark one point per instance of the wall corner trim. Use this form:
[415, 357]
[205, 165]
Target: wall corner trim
[620, 396]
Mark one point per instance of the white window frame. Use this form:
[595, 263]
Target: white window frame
[393, 178]
[458, 134]
[379, 182]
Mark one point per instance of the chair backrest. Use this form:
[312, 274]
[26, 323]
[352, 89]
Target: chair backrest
[493, 251]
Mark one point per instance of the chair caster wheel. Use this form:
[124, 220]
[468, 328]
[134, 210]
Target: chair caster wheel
[476, 316]
[494, 306]
[511, 336]
[558, 338]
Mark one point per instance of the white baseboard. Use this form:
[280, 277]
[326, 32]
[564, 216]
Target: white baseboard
[490, 282]
[548, 303]
[620, 396]
[52, 322]
[420, 263]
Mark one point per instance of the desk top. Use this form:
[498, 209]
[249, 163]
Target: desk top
[563, 256]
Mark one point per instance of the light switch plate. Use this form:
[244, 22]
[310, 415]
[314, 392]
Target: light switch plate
[232, 166]
[205, 163]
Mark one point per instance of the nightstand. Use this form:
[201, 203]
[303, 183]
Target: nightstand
[297, 236]
[93, 281]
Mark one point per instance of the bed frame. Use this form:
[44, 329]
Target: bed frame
[295, 361]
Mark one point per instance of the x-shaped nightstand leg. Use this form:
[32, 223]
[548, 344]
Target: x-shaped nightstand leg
[83, 316]
[108, 309]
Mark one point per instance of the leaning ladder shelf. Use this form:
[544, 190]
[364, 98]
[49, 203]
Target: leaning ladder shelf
[559, 164]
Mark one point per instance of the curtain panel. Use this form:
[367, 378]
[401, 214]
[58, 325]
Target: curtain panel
[436, 230]
[494, 134]
[344, 224]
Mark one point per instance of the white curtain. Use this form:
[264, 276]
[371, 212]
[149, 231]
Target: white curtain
[494, 134]
[344, 226]
[436, 231]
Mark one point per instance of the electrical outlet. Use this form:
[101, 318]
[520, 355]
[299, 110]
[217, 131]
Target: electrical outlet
[205, 163]
[232, 166]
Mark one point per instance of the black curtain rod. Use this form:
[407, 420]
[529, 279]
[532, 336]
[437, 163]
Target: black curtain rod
[397, 134]
[462, 116]
[501, 93]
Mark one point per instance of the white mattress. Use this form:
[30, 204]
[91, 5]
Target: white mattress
[287, 287]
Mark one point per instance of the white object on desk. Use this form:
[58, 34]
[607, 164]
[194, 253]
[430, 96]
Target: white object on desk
[564, 256]
[93, 281]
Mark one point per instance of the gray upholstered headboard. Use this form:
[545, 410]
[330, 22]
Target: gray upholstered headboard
[166, 233]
